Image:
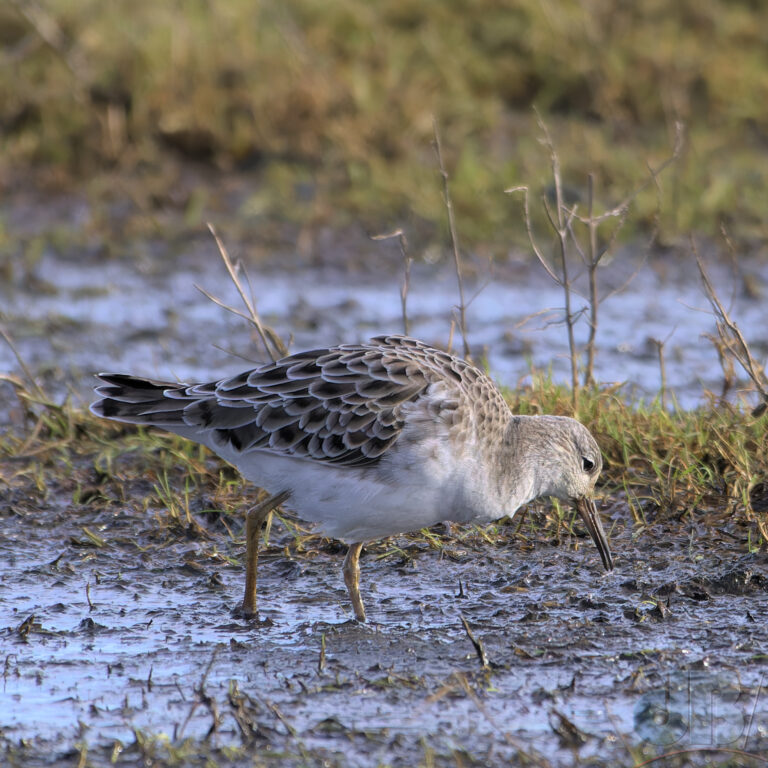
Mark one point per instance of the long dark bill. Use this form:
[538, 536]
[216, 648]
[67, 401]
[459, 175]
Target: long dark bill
[587, 510]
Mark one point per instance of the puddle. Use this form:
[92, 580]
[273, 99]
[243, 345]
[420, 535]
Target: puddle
[151, 320]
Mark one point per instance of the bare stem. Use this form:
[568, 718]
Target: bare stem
[561, 225]
[726, 364]
[662, 372]
[732, 338]
[27, 372]
[561, 279]
[273, 345]
[406, 284]
[454, 241]
[565, 282]
[589, 373]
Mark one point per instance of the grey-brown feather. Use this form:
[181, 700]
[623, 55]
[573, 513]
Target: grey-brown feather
[374, 439]
[344, 405]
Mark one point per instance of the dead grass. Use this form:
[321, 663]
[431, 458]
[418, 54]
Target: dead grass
[334, 105]
[708, 466]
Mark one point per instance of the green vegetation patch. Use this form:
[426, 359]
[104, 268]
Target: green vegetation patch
[705, 467]
[334, 103]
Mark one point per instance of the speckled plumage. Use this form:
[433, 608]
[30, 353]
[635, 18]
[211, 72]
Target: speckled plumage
[374, 439]
[346, 405]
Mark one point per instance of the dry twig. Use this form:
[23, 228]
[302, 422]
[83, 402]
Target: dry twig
[478, 645]
[454, 242]
[562, 223]
[273, 344]
[406, 284]
[38, 390]
[659, 344]
[733, 341]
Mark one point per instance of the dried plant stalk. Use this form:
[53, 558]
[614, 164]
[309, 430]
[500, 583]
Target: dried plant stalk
[454, 242]
[405, 286]
[562, 220]
[733, 341]
[273, 344]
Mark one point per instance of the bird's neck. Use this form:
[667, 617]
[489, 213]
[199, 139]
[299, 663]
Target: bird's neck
[523, 442]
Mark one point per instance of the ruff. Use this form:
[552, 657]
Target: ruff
[372, 440]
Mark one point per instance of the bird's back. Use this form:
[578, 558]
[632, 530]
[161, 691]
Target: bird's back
[343, 405]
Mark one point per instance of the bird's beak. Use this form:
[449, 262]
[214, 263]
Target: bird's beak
[588, 511]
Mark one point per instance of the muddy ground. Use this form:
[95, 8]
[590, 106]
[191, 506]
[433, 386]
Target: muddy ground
[119, 643]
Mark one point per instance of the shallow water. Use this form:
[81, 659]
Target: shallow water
[147, 317]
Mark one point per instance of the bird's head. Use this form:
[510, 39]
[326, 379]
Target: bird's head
[568, 463]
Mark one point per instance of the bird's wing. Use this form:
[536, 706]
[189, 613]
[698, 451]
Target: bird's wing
[343, 405]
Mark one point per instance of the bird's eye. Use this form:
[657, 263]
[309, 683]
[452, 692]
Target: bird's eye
[588, 464]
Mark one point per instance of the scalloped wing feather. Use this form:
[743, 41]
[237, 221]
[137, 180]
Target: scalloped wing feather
[344, 405]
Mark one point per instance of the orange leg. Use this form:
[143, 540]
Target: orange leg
[352, 579]
[253, 522]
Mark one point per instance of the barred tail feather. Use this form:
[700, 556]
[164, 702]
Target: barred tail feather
[140, 401]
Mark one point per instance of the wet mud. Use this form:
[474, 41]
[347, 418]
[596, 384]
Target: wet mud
[120, 641]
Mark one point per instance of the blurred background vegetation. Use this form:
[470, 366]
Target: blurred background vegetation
[329, 106]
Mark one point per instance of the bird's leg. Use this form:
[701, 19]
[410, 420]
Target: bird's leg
[253, 522]
[352, 579]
